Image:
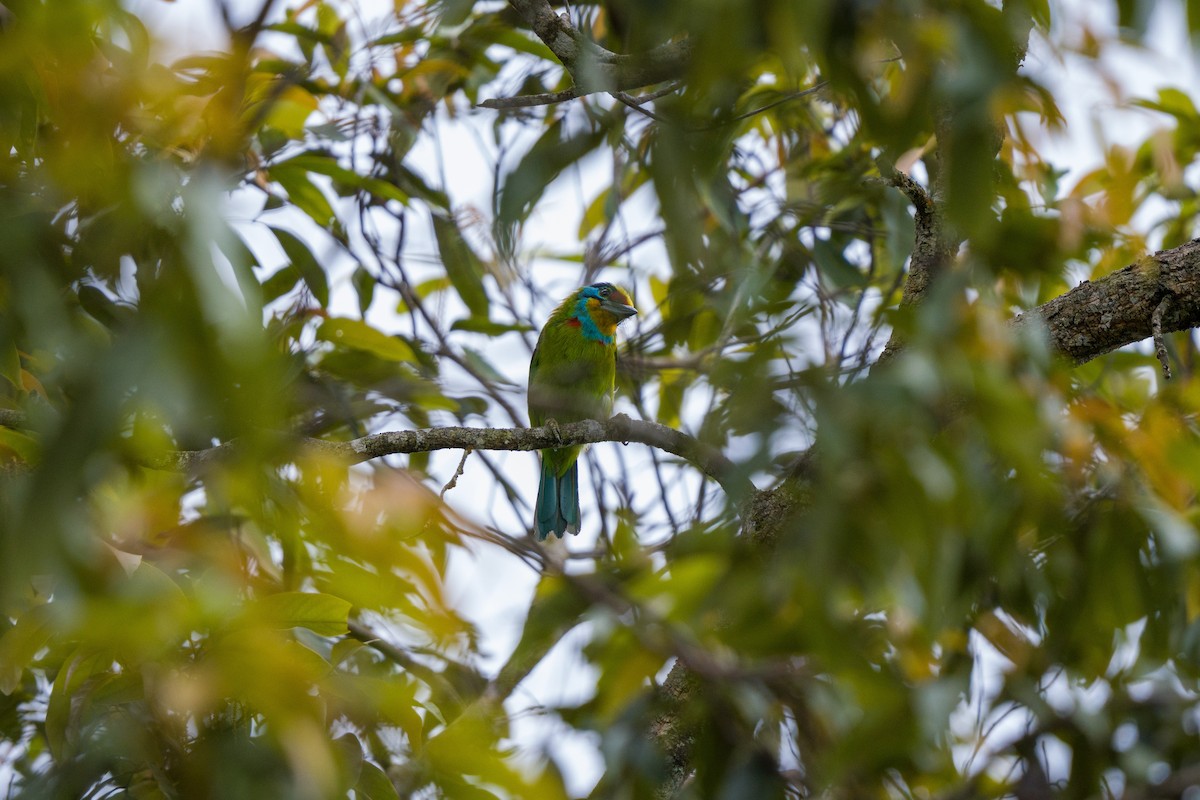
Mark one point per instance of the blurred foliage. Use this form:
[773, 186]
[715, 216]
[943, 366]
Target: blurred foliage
[991, 563]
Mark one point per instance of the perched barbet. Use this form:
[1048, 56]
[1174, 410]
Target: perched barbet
[572, 377]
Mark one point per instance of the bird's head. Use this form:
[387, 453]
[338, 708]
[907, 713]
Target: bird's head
[599, 308]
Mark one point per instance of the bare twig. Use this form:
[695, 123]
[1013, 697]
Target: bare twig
[1156, 330]
[457, 474]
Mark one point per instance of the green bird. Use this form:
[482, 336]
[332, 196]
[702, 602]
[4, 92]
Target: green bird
[572, 377]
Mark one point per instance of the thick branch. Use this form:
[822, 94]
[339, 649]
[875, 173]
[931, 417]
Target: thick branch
[933, 247]
[1099, 316]
[592, 67]
[618, 429]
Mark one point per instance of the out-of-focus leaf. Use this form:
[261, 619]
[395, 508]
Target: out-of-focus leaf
[834, 266]
[462, 265]
[361, 336]
[549, 156]
[374, 784]
[10, 364]
[467, 747]
[344, 649]
[242, 260]
[555, 610]
[597, 212]
[24, 447]
[487, 326]
[303, 193]
[21, 643]
[322, 614]
[104, 309]
[350, 758]
[305, 263]
[364, 287]
[484, 367]
[328, 165]
[290, 110]
[282, 281]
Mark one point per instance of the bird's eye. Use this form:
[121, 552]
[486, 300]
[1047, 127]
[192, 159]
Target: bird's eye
[604, 291]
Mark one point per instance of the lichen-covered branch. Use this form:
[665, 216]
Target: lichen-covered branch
[1097, 317]
[618, 429]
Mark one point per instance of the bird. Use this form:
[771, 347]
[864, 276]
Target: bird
[572, 376]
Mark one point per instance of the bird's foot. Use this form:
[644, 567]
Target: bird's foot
[552, 424]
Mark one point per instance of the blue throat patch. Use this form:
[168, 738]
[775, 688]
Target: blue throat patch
[587, 324]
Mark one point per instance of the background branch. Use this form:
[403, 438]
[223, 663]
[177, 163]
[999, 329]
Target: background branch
[592, 67]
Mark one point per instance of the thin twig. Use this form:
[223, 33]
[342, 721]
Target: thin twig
[634, 103]
[457, 474]
[787, 98]
[1156, 330]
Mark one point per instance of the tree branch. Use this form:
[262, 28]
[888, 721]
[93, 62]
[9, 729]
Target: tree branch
[618, 429]
[1099, 316]
[933, 246]
[530, 100]
[592, 67]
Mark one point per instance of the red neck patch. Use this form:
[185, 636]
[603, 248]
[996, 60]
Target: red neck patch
[574, 322]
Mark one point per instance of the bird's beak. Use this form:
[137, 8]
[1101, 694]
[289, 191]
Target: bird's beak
[618, 310]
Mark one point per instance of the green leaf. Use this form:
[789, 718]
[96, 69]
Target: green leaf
[405, 36]
[24, 446]
[834, 267]
[328, 165]
[364, 287]
[359, 335]
[484, 325]
[243, 261]
[599, 211]
[462, 265]
[484, 367]
[1172, 101]
[350, 757]
[103, 308]
[549, 156]
[10, 364]
[21, 643]
[374, 784]
[523, 43]
[555, 610]
[303, 193]
[280, 283]
[305, 263]
[77, 674]
[290, 110]
[467, 747]
[322, 614]
[344, 649]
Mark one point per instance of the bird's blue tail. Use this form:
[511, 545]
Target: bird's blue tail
[557, 509]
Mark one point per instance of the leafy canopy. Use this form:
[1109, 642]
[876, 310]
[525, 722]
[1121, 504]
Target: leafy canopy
[989, 556]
